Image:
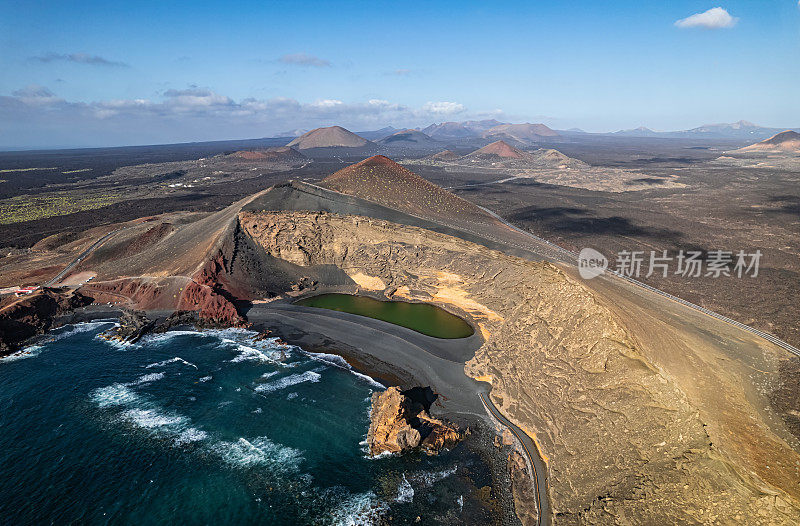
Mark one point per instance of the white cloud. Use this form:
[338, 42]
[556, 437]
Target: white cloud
[714, 18]
[443, 108]
[303, 59]
[79, 58]
[35, 116]
[327, 103]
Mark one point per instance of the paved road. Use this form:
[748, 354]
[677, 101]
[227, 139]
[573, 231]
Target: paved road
[537, 464]
[82, 256]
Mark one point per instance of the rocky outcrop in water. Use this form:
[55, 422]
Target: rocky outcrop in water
[400, 422]
[132, 326]
[32, 315]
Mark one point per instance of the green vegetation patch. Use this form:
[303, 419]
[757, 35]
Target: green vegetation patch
[31, 207]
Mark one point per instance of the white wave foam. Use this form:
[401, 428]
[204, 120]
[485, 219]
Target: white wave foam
[337, 361]
[166, 336]
[66, 331]
[247, 353]
[190, 435]
[123, 346]
[373, 382]
[360, 510]
[77, 328]
[428, 478]
[259, 451]
[205, 379]
[152, 418]
[171, 360]
[288, 381]
[148, 378]
[114, 395]
[330, 359]
[382, 454]
[28, 352]
[145, 414]
[405, 493]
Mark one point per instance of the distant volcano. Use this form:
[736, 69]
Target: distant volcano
[501, 154]
[784, 142]
[280, 154]
[520, 132]
[331, 137]
[498, 149]
[407, 138]
[444, 155]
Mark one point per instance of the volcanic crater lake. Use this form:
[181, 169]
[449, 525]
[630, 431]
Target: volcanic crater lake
[421, 317]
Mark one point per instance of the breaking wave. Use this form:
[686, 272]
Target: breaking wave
[259, 451]
[337, 361]
[147, 378]
[114, 395]
[405, 493]
[177, 359]
[288, 381]
[71, 330]
[360, 510]
[28, 352]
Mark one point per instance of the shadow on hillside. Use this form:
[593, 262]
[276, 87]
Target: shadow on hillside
[576, 222]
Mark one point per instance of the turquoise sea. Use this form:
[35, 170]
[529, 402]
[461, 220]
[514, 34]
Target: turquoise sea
[209, 427]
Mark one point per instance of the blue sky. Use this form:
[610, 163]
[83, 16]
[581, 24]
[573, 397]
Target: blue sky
[85, 73]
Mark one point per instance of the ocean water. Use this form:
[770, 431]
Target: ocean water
[206, 427]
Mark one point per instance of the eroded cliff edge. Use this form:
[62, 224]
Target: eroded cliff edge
[627, 438]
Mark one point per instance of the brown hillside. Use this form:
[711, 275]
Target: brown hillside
[444, 155]
[330, 137]
[521, 132]
[278, 154]
[383, 181]
[787, 141]
[500, 149]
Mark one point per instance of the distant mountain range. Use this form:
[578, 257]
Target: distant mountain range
[521, 135]
[736, 130]
[489, 129]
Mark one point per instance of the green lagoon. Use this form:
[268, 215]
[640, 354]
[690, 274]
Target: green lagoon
[421, 317]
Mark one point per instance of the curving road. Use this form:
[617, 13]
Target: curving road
[82, 256]
[538, 466]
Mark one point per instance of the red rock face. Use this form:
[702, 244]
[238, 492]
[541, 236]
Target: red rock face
[208, 294]
[212, 305]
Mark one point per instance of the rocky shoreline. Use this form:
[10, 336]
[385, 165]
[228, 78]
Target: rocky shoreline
[400, 418]
[400, 422]
[33, 315]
